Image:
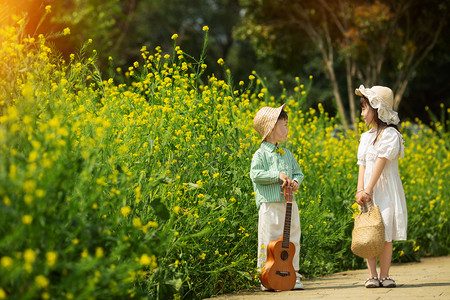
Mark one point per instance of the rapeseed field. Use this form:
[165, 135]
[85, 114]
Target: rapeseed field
[137, 185]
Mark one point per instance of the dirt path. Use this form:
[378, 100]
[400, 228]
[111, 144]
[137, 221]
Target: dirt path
[428, 279]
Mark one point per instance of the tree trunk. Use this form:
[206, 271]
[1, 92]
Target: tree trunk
[350, 91]
[337, 96]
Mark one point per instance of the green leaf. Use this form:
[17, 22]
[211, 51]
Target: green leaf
[160, 208]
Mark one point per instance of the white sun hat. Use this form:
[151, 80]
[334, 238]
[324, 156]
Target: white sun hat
[381, 98]
[265, 120]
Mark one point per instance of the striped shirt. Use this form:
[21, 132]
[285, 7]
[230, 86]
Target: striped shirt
[267, 163]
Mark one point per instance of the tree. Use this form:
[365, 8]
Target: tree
[103, 22]
[156, 21]
[373, 42]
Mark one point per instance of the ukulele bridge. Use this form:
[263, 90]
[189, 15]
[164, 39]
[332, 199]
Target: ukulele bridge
[283, 273]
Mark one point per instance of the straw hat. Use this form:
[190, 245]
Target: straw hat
[381, 98]
[265, 120]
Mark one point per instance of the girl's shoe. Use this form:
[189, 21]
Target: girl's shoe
[372, 282]
[388, 282]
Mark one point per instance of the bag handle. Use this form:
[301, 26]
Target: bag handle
[367, 206]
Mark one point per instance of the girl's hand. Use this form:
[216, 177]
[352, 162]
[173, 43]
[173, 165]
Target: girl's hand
[358, 198]
[362, 197]
[365, 197]
[287, 181]
[295, 186]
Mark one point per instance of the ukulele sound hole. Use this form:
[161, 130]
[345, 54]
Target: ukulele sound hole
[284, 255]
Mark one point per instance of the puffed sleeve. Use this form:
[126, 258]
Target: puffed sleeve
[390, 145]
[362, 149]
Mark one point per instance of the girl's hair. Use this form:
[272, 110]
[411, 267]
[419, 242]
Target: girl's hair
[283, 115]
[380, 124]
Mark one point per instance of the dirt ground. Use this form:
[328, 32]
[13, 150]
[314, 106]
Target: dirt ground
[427, 279]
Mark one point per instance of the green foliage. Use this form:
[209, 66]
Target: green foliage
[112, 190]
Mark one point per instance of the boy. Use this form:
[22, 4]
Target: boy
[271, 168]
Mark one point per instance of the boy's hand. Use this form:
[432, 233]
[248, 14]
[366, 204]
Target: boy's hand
[295, 186]
[287, 181]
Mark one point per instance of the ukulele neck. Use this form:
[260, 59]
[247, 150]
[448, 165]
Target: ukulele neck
[287, 225]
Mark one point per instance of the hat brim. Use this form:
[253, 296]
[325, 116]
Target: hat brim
[272, 124]
[359, 93]
[384, 110]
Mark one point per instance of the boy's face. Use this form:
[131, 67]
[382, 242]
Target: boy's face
[280, 131]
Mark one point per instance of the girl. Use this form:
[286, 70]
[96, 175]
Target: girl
[379, 179]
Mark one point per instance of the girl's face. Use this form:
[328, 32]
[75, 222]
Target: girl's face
[280, 131]
[368, 114]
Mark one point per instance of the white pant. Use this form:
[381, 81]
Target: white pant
[271, 225]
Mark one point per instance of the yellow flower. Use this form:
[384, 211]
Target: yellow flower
[66, 31]
[125, 211]
[32, 157]
[48, 8]
[27, 219]
[280, 150]
[6, 261]
[146, 260]
[205, 28]
[29, 255]
[175, 36]
[28, 91]
[12, 171]
[99, 252]
[220, 61]
[85, 253]
[137, 223]
[51, 258]
[42, 281]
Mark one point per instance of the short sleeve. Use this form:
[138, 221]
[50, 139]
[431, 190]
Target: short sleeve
[362, 150]
[390, 145]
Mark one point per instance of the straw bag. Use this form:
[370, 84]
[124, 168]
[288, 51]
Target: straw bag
[368, 232]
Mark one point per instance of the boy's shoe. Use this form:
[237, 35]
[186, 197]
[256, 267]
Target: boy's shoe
[372, 282]
[264, 289]
[298, 284]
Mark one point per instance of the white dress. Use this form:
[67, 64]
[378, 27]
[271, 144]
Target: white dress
[388, 192]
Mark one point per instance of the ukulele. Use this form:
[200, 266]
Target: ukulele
[278, 272]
